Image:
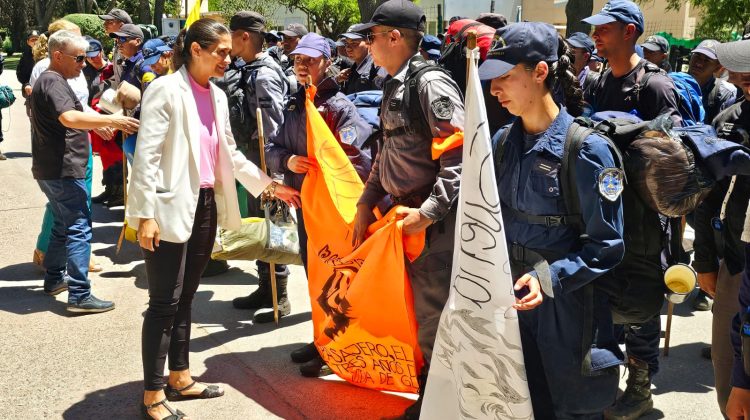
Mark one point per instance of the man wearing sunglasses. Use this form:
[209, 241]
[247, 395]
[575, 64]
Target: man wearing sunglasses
[129, 42]
[60, 153]
[405, 168]
[365, 75]
[289, 39]
[113, 21]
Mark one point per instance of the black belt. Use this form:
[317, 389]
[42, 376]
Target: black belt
[549, 221]
[532, 258]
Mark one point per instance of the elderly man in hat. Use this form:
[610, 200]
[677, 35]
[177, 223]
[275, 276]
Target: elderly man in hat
[289, 39]
[113, 21]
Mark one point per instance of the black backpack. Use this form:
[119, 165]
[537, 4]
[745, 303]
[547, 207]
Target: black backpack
[418, 67]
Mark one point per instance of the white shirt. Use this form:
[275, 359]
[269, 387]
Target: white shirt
[79, 85]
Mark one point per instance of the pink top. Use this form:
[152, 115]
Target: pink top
[209, 136]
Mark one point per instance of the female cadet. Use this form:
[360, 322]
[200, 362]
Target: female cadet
[568, 376]
[287, 152]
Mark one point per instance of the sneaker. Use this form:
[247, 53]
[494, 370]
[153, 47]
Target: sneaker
[91, 305]
[56, 289]
[703, 302]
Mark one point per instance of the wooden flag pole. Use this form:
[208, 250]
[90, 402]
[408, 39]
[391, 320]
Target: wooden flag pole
[262, 143]
[471, 44]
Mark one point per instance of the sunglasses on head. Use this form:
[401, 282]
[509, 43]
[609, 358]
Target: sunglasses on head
[77, 58]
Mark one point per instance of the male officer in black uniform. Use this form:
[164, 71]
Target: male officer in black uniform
[405, 168]
[636, 286]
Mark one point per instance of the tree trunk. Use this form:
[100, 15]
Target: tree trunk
[43, 10]
[576, 10]
[144, 12]
[158, 13]
[367, 8]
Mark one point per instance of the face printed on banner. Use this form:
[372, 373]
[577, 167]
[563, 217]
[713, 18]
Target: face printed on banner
[518, 89]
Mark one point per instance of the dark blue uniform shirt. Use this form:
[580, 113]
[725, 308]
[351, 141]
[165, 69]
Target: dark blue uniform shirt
[529, 181]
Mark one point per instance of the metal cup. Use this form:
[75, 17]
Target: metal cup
[680, 280]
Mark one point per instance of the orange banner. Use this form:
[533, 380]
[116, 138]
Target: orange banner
[362, 305]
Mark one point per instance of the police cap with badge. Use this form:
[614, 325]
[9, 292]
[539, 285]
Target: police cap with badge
[522, 42]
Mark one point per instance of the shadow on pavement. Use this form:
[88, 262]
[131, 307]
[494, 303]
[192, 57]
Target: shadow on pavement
[684, 370]
[235, 322]
[118, 402]
[268, 377]
[102, 214]
[17, 155]
[20, 272]
[28, 300]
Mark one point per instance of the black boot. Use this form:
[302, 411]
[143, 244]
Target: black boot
[285, 308]
[412, 411]
[305, 353]
[116, 196]
[636, 400]
[215, 267]
[107, 182]
[260, 298]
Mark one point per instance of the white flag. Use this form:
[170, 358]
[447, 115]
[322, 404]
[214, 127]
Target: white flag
[477, 369]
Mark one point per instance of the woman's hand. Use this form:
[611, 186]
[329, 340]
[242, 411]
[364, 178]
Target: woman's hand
[299, 164]
[288, 195]
[364, 218]
[533, 298]
[148, 234]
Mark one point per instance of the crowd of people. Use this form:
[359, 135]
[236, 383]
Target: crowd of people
[389, 93]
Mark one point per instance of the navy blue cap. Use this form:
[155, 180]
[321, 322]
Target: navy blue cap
[656, 43]
[153, 49]
[530, 42]
[581, 40]
[707, 48]
[639, 50]
[355, 32]
[624, 11]
[431, 44]
[95, 47]
[313, 45]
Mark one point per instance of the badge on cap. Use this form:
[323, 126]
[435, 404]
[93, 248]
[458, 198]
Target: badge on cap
[611, 183]
[348, 134]
[443, 108]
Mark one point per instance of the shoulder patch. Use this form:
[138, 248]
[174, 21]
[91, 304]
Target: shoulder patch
[443, 108]
[348, 134]
[611, 183]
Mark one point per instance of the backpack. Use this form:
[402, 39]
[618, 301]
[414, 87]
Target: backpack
[368, 107]
[149, 31]
[418, 67]
[453, 54]
[6, 96]
[687, 91]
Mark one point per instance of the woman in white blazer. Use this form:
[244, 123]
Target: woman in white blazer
[182, 185]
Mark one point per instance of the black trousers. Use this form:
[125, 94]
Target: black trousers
[174, 272]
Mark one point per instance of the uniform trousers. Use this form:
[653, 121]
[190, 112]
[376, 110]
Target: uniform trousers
[722, 353]
[430, 276]
[174, 271]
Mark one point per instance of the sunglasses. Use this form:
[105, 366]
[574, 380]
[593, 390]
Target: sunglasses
[123, 39]
[371, 36]
[77, 58]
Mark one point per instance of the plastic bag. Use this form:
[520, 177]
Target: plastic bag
[250, 243]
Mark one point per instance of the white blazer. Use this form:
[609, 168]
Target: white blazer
[165, 178]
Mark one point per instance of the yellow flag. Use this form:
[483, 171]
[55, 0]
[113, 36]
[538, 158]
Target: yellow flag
[195, 14]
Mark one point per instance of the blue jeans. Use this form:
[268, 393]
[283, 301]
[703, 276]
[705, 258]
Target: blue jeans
[70, 244]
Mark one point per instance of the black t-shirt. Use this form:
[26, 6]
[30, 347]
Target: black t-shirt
[57, 151]
[657, 97]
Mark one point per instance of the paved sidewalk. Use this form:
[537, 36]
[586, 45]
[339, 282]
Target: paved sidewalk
[82, 367]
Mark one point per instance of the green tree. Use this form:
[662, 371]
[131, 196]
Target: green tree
[718, 18]
[367, 8]
[332, 17]
[229, 7]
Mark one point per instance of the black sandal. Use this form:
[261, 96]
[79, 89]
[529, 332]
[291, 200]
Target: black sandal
[211, 391]
[173, 414]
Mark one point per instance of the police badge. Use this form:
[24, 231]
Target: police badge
[443, 108]
[611, 183]
[348, 134]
